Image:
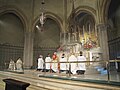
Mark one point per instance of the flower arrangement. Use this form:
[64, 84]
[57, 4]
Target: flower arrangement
[88, 46]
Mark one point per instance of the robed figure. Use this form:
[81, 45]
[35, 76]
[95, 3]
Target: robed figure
[54, 66]
[63, 66]
[73, 67]
[19, 65]
[81, 66]
[40, 63]
[11, 65]
[47, 63]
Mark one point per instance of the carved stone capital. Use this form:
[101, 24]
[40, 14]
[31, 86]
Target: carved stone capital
[102, 27]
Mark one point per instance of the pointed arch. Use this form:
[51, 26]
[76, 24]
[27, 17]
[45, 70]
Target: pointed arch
[16, 11]
[105, 9]
[85, 9]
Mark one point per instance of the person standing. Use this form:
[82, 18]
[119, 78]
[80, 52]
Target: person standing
[63, 66]
[40, 63]
[19, 64]
[81, 66]
[47, 64]
[54, 62]
[73, 68]
[12, 65]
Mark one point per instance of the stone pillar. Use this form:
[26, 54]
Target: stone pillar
[28, 50]
[103, 40]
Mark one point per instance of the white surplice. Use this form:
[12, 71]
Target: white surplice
[63, 66]
[81, 66]
[40, 63]
[48, 59]
[54, 66]
[73, 65]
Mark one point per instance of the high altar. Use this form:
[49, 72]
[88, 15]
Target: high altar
[84, 40]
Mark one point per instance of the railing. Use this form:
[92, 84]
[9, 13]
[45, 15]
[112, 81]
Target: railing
[106, 64]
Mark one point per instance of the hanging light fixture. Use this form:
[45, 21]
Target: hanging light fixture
[42, 16]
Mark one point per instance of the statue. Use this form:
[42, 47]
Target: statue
[11, 65]
[19, 64]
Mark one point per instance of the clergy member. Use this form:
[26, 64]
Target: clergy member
[12, 65]
[63, 66]
[40, 63]
[54, 62]
[47, 64]
[81, 66]
[19, 64]
[73, 68]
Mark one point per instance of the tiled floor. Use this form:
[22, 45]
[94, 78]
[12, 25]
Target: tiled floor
[39, 83]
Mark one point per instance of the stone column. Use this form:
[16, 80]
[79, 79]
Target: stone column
[65, 20]
[28, 50]
[103, 40]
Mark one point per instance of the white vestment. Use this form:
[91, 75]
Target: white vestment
[73, 65]
[48, 59]
[19, 64]
[11, 65]
[54, 66]
[81, 66]
[63, 66]
[40, 63]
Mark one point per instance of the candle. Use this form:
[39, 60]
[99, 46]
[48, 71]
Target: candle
[79, 33]
[68, 37]
[64, 38]
[89, 30]
[95, 31]
[83, 30]
[60, 37]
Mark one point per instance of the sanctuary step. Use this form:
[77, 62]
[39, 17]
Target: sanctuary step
[42, 83]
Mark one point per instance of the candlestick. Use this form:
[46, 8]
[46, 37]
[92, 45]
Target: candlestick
[89, 30]
[83, 31]
[60, 37]
[95, 31]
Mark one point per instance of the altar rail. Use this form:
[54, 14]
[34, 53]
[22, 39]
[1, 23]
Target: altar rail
[105, 62]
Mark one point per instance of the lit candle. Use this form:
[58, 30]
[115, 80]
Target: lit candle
[95, 31]
[83, 30]
[79, 34]
[89, 30]
[64, 38]
[68, 37]
[60, 37]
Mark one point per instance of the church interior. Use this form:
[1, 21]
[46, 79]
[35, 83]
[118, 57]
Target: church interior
[32, 29]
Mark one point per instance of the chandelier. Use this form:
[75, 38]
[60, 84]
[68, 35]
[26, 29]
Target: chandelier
[42, 16]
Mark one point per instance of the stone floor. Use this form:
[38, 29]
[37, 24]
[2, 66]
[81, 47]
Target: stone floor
[113, 76]
[42, 83]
